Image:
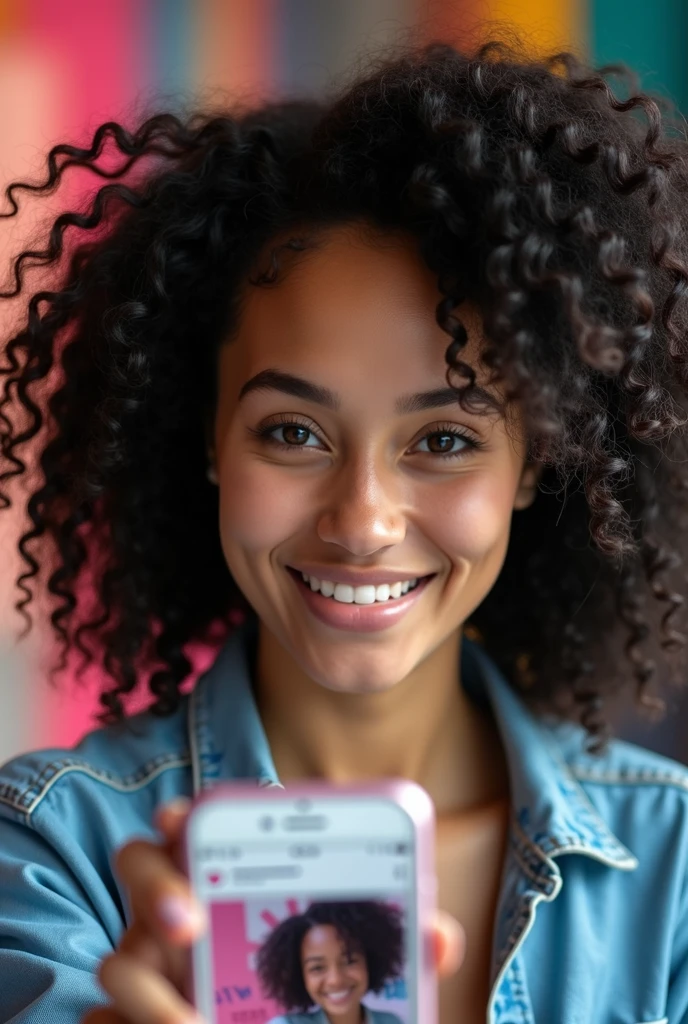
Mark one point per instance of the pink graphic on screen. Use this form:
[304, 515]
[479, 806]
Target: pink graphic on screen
[238, 931]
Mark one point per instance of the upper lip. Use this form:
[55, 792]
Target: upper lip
[358, 577]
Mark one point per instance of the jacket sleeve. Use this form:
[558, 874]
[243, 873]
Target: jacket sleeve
[52, 936]
[677, 1000]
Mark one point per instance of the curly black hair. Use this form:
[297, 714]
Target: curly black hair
[554, 204]
[368, 927]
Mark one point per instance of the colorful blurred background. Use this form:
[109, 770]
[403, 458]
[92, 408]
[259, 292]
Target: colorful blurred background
[67, 65]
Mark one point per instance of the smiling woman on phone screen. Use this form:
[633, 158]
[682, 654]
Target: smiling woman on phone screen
[323, 962]
[383, 398]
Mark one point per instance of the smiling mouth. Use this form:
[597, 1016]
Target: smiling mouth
[339, 997]
[343, 593]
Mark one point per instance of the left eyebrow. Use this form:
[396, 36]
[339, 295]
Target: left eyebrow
[299, 387]
[439, 397]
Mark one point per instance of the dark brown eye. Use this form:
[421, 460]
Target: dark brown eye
[441, 443]
[294, 434]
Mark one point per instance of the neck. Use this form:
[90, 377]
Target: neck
[357, 1016]
[425, 729]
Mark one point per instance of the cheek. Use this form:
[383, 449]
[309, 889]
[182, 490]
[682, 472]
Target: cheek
[359, 974]
[258, 511]
[472, 515]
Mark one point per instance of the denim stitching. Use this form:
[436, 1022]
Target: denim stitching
[538, 881]
[521, 992]
[646, 776]
[538, 856]
[27, 801]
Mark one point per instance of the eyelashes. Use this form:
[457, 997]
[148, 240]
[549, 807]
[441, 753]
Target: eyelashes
[440, 433]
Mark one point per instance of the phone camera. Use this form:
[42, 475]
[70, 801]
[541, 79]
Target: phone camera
[266, 823]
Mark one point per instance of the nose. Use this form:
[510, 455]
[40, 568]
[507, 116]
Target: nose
[363, 511]
[335, 978]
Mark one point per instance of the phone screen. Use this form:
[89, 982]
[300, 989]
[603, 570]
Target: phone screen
[312, 909]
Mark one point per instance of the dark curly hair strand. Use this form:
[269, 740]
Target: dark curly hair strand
[532, 190]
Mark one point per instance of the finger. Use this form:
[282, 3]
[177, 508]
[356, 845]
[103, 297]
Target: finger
[171, 961]
[104, 1015]
[143, 996]
[138, 943]
[170, 818]
[159, 894]
[450, 944]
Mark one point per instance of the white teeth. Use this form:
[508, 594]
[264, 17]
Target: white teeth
[344, 593]
[367, 594]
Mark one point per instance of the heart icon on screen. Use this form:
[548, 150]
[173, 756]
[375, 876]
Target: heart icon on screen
[214, 877]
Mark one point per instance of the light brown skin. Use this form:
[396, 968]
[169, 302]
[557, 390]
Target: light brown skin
[357, 316]
[330, 970]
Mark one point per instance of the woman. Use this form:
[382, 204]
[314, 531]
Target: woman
[400, 377]
[328, 958]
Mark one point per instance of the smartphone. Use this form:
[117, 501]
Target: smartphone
[320, 904]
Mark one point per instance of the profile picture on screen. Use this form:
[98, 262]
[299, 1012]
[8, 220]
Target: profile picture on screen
[319, 965]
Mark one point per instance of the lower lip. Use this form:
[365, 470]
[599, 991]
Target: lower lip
[358, 618]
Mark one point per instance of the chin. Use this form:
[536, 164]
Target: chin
[361, 675]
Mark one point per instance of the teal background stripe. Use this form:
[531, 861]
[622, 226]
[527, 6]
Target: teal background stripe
[650, 36]
[171, 30]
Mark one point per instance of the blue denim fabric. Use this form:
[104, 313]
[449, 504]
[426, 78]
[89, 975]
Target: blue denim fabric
[318, 1017]
[592, 921]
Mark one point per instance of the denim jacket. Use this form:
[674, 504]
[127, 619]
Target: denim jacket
[592, 918]
[318, 1017]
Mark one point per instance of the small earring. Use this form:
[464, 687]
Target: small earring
[211, 473]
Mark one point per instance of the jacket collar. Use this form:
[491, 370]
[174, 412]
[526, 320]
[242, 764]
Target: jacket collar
[226, 735]
[551, 810]
[552, 814]
[318, 1016]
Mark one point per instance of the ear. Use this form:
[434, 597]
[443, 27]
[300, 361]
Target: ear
[528, 485]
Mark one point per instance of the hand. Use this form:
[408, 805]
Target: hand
[144, 977]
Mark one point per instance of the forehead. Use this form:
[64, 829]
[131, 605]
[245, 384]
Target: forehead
[356, 301]
[321, 937]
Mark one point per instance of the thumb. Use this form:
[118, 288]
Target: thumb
[449, 943]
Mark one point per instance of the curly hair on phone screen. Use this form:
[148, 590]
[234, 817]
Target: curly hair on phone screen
[551, 195]
[370, 928]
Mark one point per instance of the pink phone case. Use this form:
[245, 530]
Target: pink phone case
[415, 802]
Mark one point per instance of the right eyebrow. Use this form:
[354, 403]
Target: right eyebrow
[309, 391]
[289, 384]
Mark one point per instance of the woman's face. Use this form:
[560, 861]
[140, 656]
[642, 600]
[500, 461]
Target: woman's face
[335, 979]
[341, 455]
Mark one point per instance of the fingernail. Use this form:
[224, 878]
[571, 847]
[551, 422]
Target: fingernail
[176, 912]
[179, 804]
